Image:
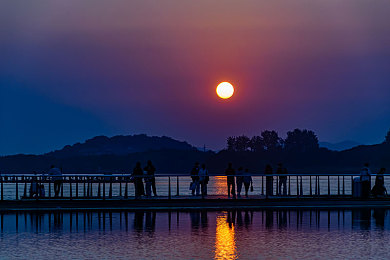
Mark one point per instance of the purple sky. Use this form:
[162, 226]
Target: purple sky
[70, 70]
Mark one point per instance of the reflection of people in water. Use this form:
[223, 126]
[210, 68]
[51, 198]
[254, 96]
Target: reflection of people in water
[138, 220]
[282, 218]
[362, 217]
[204, 219]
[195, 219]
[269, 218]
[150, 221]
[379, 216]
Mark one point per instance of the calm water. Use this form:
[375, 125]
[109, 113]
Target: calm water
[282, 234]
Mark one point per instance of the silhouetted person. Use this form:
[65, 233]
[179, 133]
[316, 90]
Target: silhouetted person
[56, 176]
[150, 171]
[269, 181]
[365, 176]
[34, 187]
[195, 186]
[230, 180]
[282, 179]
[379, 188]
[203, 179]
[137, 178]
[247, 181]
[239, 181]
[42, 191]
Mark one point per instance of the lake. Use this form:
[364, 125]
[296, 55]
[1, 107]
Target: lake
[235, 234]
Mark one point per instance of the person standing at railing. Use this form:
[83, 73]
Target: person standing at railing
[56, 176]
[365, 177]
[137, 178]
[239, 180]
[247, 182]
[282, 179]
[269, 181]
[379, 188]
[34, 187]
[150, 170]
[195, 187]
[203, 179]
[230, 180]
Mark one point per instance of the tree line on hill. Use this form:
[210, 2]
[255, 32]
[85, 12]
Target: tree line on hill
[299, 152]
[296, 141]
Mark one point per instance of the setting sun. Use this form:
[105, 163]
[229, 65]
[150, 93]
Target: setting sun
[225, 90]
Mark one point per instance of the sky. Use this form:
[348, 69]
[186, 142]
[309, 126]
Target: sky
[71, 70]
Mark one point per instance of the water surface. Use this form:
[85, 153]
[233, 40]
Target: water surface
[269, 234]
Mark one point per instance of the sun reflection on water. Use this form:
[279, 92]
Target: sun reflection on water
[225, 244]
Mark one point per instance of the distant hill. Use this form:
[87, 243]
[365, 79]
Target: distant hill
[120, 153]
[121, 145]
[339, 146]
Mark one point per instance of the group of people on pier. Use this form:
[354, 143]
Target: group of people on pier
[145, 183]
[147, 174]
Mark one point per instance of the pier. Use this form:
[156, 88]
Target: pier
[116, 192]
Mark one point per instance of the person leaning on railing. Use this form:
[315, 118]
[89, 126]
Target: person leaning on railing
[56, 176]
[230, 180]
[365, 176]
[379, 189]
[150, 170]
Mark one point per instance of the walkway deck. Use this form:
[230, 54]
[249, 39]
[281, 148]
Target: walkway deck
[191, 203]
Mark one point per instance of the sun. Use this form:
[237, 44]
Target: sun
[225, 90]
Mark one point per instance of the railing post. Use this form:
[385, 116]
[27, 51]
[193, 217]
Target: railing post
[126, 190]
[301, 186]
[104, 188]
[351, 185]
[262, 185]
[120, 187]
[49, 188]
[328, 185]
[169, 187]
[177, 185]
[311, 192]
[319, 191]
[297, 187]
[110, 191]
[25, 189]
[70, 188]
[99, 193]
[91, 190]
[289, 186]
[315, 186]
[17, 188]
[277, 186]
[62, 187]
[338, 185]
[84, 190]
[87, 180]
[343, 186]
[77, 187]
[2, 189]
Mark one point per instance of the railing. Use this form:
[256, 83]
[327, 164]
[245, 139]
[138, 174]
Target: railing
[95, 186]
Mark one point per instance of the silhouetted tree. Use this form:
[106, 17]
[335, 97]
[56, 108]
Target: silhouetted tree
[271, 140]
[257, 144]
[301, 141]
[242, 143]
[231, 143]
[387, 138]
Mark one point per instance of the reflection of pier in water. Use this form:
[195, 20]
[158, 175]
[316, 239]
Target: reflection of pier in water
[226, 222]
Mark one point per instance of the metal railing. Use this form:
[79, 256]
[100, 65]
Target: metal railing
[95, 186]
